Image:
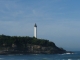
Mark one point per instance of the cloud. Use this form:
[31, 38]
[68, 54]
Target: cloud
[18, 28]
[62, 28]
[16, 13]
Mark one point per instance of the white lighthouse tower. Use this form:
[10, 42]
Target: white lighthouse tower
[35, 30]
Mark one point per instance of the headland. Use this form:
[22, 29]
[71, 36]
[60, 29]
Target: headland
[27, 45]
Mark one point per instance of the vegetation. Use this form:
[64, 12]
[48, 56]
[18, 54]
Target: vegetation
[7, 41]
[26, 43]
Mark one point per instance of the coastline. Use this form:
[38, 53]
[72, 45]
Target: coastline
[23, 53]
[27, 45]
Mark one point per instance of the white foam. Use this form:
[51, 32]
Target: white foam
[68, 53]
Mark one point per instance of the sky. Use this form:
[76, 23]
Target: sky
[57, 20]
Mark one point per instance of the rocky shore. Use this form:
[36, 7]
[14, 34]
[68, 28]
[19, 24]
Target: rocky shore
[27, 45]
[33, 49]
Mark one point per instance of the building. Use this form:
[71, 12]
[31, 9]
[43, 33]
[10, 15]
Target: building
[35, 30]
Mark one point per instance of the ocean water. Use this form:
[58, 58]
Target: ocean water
[75, 56]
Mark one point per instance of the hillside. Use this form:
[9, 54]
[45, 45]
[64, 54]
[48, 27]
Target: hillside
[27, 45]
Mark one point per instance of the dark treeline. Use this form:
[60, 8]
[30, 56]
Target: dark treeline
[25, 44]
[7, 41]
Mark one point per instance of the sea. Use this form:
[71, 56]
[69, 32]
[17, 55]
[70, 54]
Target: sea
[66, 56]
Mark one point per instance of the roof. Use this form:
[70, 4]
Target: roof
[35, 25]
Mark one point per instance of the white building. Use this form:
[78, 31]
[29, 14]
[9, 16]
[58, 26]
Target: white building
[35, 30]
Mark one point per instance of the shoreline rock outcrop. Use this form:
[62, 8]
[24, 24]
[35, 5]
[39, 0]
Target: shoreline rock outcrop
[27, 45]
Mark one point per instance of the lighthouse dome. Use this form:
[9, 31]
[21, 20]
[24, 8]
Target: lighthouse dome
[35, 25]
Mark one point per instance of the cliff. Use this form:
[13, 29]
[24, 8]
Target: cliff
[27, 45]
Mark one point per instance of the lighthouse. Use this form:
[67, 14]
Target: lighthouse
[35, 30]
